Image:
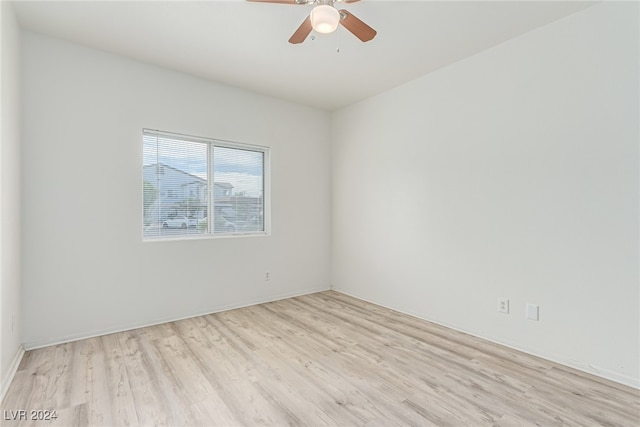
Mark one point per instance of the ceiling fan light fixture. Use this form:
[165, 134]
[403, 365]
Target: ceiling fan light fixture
[325, 18]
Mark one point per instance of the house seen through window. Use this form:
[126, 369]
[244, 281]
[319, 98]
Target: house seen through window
[197, 186]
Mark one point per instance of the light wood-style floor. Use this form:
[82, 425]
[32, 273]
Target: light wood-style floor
[322, 359]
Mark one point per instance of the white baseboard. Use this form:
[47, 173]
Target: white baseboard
[13, 368]
[136, 325]
[575, 364]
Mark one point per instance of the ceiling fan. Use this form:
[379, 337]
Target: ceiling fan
[324, 18]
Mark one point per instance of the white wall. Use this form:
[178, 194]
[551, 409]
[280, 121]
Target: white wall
[10, 338]
[85, 268]
[513, 173]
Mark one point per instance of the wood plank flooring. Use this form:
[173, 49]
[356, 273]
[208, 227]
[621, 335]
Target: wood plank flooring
[321, 359]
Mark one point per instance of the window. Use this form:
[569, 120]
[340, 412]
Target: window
[197, 187]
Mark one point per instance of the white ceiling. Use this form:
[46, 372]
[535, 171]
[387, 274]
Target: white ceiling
[245, 44]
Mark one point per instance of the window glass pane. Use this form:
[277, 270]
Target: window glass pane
[198, 186]
[175, 189]
[238, 190]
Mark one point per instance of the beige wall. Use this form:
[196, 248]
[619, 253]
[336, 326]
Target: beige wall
[10, 188]
[86, 270]
[512, 173]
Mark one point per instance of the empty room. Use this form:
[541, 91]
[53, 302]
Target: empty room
[319, 213]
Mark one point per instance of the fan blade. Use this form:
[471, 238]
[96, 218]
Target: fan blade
[302, 32]
[356, 26]
[350, 1]
[279, 1]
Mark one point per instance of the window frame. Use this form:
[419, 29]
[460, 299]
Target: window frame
[211, 144]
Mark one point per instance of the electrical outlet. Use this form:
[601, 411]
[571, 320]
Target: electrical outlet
[503, 305]
[533, 312]
[267, 276]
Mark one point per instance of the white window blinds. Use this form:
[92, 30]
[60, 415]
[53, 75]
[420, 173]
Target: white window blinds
[197, 186]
